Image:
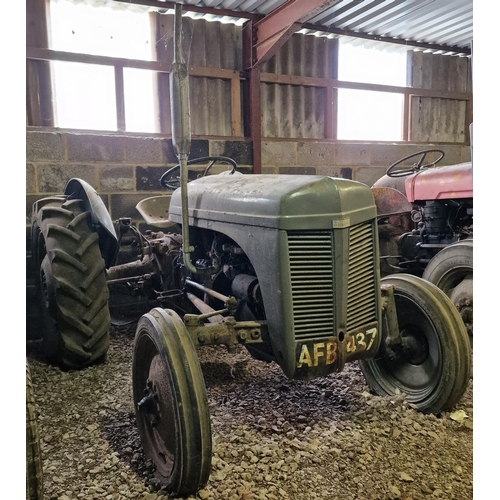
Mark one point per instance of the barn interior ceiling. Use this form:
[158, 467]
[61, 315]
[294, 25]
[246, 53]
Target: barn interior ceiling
[436, 25]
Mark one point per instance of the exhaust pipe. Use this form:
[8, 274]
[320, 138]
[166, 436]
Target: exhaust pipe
[181, 128]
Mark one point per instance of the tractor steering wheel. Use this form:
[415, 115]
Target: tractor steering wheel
[404, 171]
[171, 179]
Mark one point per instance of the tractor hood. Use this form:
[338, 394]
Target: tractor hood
[276, 201]
[440, 183]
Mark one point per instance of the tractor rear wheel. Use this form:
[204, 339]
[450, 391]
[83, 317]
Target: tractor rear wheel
[72, 285]
[432, 363]
[171, 402]
[451, 271]
[34, 472]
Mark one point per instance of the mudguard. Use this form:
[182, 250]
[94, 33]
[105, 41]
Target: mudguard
[101, 220]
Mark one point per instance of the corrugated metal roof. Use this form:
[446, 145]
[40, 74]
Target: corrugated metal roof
[438, 22]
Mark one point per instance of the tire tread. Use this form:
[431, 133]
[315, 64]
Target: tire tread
[78, 273]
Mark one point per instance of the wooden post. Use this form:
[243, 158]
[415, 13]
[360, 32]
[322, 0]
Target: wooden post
[38, 83]
[120, 99]
[253, 122]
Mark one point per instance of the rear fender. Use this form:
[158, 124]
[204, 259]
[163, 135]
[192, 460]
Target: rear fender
[100, 218]
[390, 201]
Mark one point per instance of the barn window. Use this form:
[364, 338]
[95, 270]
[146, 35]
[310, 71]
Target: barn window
[85, 93]
[365, 114]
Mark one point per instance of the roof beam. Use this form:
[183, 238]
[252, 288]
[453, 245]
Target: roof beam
[273, 30]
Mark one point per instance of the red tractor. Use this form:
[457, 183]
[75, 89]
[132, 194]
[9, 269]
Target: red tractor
[425, 224]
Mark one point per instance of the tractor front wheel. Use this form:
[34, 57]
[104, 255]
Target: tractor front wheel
[430, 362]
[72, 288]
[171, 402]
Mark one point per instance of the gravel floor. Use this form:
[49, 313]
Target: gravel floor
[272, 438]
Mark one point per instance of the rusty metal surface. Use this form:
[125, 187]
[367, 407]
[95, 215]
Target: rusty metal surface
[390, 201]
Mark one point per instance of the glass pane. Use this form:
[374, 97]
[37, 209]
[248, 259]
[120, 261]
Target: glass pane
[139, 102]
[370, 116]
[84, 96]
[114, 31]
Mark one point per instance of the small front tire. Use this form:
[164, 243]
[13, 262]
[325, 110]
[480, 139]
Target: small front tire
[171, 402]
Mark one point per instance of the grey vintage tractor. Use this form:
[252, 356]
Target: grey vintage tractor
[426, 224]
[285, 265]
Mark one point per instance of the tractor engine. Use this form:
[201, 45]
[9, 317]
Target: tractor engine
[421, 214]
[438, 224]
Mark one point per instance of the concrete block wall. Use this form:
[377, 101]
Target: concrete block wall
[125, 169]
[362, 162]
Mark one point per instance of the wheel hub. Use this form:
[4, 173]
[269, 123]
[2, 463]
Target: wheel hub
[149, 404]
[411, 347]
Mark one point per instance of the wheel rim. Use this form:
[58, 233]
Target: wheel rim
[156, 408]
[415, 365]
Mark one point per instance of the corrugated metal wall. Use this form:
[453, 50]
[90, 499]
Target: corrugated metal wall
[292, 110]
[433, 119]
[214, 45]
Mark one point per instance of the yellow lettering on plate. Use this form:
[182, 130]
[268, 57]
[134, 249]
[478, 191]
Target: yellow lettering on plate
[305, 357]
[317, 353]
[331, 352]
[322, 354]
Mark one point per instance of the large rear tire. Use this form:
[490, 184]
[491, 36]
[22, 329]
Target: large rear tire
[34, 471]
[432, 365]
[451, 270]
[72, 288]
[171, 402]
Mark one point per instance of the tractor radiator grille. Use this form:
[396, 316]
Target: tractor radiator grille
[361, 304]
[311, 271]
[312, 281]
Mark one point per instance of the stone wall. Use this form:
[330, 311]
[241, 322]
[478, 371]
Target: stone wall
[124, 169]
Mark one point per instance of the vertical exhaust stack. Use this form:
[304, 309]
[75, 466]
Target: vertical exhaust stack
[181, 128]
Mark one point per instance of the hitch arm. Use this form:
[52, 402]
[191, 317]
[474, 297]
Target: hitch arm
[390, 313]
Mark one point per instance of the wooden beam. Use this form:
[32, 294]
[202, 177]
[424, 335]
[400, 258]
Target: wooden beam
[236, 106]
[252, 104]
[330, 116]
[59, 55]
[468, 121]
[406, 117]
[120, 99]
[325, 82]
[38, 83]
[253, 114]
